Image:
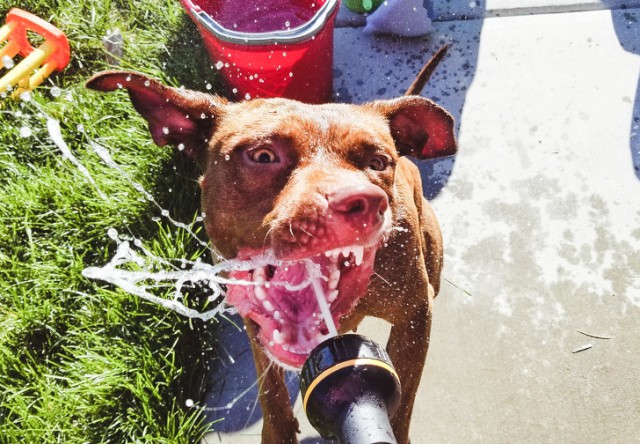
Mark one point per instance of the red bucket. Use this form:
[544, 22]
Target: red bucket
[270, 48]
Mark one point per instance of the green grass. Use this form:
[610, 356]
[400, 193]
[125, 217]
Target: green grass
[81, 361]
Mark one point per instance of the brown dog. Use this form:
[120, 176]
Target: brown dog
[290, 185]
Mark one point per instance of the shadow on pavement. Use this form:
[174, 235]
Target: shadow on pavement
[232, 398]
[627, 25]
[458, 22]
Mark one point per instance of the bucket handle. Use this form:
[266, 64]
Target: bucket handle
[289, 36]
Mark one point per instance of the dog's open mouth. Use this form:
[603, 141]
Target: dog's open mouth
[282, 302]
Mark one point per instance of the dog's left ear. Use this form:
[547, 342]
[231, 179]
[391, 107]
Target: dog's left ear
[419, 127]
[182, 118]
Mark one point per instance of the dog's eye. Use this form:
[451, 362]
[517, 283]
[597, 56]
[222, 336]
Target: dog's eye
[263, 155]
[378, 163]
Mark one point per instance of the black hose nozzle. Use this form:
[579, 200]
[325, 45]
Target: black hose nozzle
[349, 389]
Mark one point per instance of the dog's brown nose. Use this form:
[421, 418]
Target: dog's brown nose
[364, 203]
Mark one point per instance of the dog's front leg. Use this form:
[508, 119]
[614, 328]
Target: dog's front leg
[407, 348]
[279, 426]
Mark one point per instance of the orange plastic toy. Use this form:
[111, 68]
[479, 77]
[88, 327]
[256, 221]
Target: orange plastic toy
[38, 63]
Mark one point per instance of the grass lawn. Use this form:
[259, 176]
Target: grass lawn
[81, 361]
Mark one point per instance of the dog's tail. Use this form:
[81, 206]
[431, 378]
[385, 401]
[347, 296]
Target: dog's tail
[428, 69]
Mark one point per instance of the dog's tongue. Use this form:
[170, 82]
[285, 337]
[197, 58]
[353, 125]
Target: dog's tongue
[290, 320]
[282, 300]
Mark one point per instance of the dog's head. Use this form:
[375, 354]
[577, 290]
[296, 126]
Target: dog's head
[290, 186]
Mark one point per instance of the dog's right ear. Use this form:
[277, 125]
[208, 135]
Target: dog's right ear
[182, 118]
[419, 127]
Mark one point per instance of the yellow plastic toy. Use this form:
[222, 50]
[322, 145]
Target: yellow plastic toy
[38, 63]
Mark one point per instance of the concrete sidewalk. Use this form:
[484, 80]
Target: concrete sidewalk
[540, 213]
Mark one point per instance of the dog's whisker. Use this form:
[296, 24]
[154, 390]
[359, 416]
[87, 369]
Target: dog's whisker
[381, 278]
[291, 231]
[266, 239]
[307, 233]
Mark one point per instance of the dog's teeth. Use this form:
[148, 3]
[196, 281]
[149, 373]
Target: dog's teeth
[332, 255]
[358, 254]
[261, 293]
[277, 337]
[346, 252]
[332, 296]
[268, 305]
[277, 316]
[334, 278]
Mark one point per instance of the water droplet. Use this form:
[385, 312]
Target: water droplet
[112, 233]
[25, 96]
[147, 83]
[235, 90]
[227, 157]
[219, 65]
[165, 130]
[25, 131]
[7, 62]
[181, 147]
[189, 403]
[80, 128]
[287, 24]
[55, 91]
[247, 96]
[208, 86]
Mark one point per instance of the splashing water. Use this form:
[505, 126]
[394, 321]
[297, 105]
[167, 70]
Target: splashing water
[103, 153]
[132, 271]
[139, 272]
[313, 273]
[7, 62]
[53, 126]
